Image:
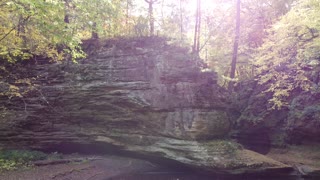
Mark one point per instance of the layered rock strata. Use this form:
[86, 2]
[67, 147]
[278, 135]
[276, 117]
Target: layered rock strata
[142, 96]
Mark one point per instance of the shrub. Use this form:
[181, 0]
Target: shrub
[11, 159]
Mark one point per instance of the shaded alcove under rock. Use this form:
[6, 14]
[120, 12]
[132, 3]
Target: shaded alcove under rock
[102, 149]
[258, 140]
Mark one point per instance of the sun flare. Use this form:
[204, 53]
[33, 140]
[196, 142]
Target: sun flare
[205, 5]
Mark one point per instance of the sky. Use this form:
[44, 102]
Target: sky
[190, 5]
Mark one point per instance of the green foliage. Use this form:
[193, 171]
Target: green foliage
[11, 159]
[256, 17]
[22, 156]
[7, 165]
[224, 146]
[141, 27]
[38, 28]
[108, 16]
[289, 57]
[35, 28]
[304, 108]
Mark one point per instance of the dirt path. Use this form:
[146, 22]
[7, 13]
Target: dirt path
[110, 167]
[98, 168]
[302, 154]
[304, 158]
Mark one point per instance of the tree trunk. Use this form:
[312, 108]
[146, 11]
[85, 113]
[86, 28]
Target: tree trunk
[66, 11]
[235, 47]
[128, 29]
[94, 33]
[199, 26]
[196, 40]
[181, 22]
[151, 17]
[22, 29]
[127, 13]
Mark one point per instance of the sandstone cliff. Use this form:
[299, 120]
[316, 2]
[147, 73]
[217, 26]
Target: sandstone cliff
[140, 95]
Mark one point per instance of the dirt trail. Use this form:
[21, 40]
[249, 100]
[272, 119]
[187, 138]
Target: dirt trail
[304, 158]
[124, 168]
[97, 168]
[302, 154]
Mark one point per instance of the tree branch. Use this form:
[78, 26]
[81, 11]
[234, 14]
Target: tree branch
[13, 29]
[7, 33]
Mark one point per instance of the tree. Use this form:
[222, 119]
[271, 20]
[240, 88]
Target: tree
[196, 39]
[181, 20]
[288, 60]
[128, 6]
[235, 46]
[67, 6]
[151, 16]
[32, 30]
[35, 28]
[257, 16]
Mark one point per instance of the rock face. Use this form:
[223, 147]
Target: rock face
[260, 127]
[303, 122]
[142, 96]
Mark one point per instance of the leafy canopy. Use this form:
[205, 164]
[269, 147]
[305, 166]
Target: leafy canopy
[289, 59]
[35, 28]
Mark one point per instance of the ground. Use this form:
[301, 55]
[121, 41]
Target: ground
[293, 155]
[123, 168]
[91, 168]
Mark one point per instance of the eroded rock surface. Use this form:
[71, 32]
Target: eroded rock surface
[261, 127]
[142, 96]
